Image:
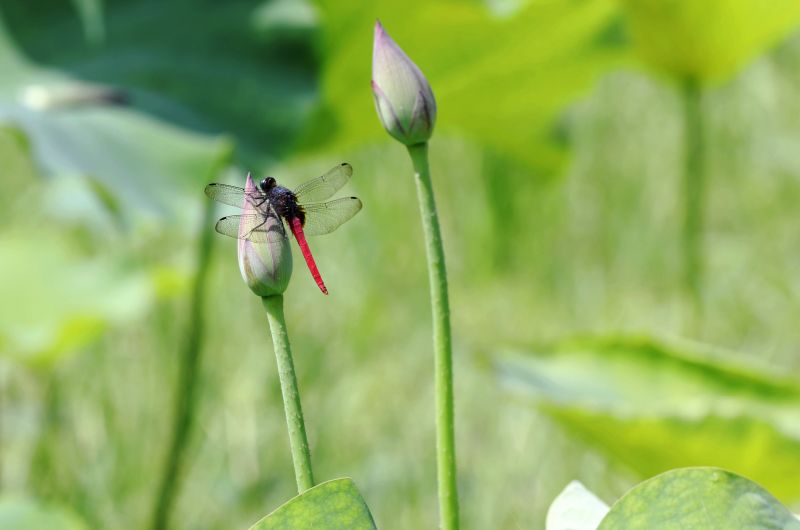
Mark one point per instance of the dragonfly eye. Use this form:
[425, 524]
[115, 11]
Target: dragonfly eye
[267, 184]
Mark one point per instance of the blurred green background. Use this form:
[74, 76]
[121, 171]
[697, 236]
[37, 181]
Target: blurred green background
[558, 163]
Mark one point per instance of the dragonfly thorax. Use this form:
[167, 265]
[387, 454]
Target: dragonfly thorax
[284, 202]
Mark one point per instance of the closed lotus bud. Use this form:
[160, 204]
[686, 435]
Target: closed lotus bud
[403, 98]
[265, 259]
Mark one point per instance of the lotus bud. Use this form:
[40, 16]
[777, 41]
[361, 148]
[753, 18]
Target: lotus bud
[403, 98]
[266, 263]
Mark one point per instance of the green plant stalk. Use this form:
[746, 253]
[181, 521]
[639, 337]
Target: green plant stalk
[185, 399]
[694, 191]
[298, 441]
[442, 341]
[2, 430]
[2, 425]
[43, 467]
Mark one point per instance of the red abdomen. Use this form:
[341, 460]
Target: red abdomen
[297, 229]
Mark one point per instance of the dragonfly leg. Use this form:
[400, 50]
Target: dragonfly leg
[270, 213]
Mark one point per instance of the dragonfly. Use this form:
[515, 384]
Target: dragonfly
[302, 209]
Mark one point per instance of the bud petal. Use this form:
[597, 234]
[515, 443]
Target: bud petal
[266, 267]
[403, 98]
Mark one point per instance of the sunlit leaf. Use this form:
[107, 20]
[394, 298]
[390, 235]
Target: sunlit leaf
[698, 499]
[18, 513]
[708, 39]
[143, 163]
[501, 81]
[656, 405]
[576, 508]
[332, 505]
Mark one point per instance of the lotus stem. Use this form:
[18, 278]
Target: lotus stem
[298, 441]
[442, 341]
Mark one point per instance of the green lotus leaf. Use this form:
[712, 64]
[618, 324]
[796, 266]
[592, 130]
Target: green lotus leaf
[698, 499]
[655, 405]
[708, 39]
[332, 505]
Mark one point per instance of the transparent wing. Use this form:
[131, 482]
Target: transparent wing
[323, 188]
[233, 195]
[255, 227]
[325, 217]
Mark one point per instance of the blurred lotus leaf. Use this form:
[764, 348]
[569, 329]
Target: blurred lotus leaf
[19, 513]
[332, 505]
[698, 499]
[708, 39]
[244, 67]
[63, 299]
[655, 405]
[96, 99]
[71, 129]
[500, 80]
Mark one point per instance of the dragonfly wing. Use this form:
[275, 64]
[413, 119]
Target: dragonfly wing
[325, 217]
[322, 188]
[253, 227]
[233, 195]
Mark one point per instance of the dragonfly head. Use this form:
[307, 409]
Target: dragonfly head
[267, 184]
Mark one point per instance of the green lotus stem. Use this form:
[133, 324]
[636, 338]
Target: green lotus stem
[442, 341]
[42, 467]
[694, 190]
[185, 400]
[2, 426]
[298, 441]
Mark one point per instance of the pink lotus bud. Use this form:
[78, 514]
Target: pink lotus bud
[403, 98]
[266, 264]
